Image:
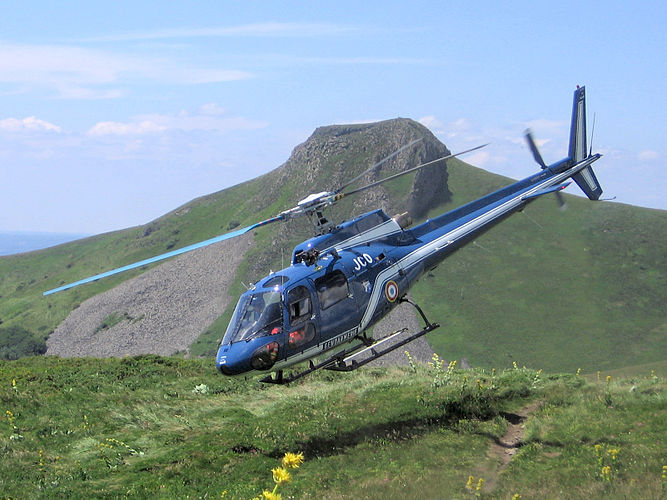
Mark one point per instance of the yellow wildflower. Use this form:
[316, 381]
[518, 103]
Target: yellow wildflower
[578, 371]
[280, 475]
[608, 378]
[613, 452]
[469, 483]
[292, 460]
[606, 473]
[270, 495]
[516, 496]
[480, 483]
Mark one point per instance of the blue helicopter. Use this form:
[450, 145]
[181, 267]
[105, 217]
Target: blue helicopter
[348, 276]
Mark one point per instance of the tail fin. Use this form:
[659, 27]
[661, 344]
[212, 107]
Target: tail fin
[585, 178]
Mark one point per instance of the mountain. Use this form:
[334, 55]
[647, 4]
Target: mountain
[545, 288]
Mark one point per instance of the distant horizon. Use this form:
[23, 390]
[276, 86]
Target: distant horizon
[16, 242]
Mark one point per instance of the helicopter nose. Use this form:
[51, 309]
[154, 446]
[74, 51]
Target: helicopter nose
[229, 361]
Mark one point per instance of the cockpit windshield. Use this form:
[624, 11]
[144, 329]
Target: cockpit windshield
[256, 315]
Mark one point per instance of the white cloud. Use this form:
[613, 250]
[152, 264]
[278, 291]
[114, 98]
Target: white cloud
[76, 92]
[211, 108]
[459, 127]
[546, 127]
[209, 117]
[29, 124]
[268, 29]
[192, 76]
[48, 64]
[431, 122]
[118, 128]
[82, 73]
[478, 159]
[648, 155]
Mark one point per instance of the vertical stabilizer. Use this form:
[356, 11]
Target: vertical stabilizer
[578, 152]
[578, 127]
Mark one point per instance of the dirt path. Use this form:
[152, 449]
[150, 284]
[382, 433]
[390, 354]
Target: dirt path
[504, 449]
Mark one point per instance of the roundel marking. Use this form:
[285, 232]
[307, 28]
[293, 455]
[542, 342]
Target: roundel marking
[391, 291]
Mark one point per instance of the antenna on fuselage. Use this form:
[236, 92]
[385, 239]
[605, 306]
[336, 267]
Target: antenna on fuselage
[590, 151]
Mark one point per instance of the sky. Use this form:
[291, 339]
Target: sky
[114, 113]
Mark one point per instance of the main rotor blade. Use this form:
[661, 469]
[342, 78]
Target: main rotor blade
[369, 169]
[167, 255]
[533, 148]
[373, 184]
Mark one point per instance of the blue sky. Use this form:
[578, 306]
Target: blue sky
[113, 113]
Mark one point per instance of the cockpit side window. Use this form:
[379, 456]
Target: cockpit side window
[300, 304]
[331, 288]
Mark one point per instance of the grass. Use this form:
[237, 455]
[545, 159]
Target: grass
[154, 427]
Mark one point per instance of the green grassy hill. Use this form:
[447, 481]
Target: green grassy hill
[153, 427]
[559, 290]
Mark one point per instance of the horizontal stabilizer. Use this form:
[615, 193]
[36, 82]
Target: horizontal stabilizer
[544, 191]
[588, 183]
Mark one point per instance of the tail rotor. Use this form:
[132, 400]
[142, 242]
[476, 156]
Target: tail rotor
[540, 161]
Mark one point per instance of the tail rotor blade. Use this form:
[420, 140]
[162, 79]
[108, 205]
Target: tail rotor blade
[533, 148]
[561, 201]
[167, 255]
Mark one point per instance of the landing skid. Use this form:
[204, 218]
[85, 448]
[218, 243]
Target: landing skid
[346, 360]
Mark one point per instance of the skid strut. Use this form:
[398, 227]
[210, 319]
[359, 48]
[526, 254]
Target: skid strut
[346, 359]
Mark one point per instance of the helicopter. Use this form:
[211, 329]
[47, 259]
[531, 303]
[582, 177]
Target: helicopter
[348, 276]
